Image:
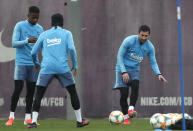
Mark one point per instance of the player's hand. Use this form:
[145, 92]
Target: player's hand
[161, 78]
[125, 77]
[74, 71]
[32, 40]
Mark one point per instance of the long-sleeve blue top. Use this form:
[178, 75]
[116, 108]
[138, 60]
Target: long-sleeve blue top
[55, 43]
[131, 53]
[22, 32]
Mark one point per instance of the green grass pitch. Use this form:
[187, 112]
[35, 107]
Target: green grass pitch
[69, 125]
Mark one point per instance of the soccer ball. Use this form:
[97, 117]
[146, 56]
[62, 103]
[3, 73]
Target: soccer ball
[180, 116]
[116, 117]
[154, 121]
[160, 121]
[187, 116]
[173, 117]
[168, 120]
[163, 121]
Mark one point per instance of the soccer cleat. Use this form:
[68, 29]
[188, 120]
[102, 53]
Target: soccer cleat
[9, 122]
[32, 125]
[132, 113]
[83, 123]
[26, 122]
[126, 122]
[29, 121]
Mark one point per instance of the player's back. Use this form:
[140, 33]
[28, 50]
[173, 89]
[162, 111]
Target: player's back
[55, 50]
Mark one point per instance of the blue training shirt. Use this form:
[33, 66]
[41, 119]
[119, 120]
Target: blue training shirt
[55, 43]
[131, 53]
[22, 32]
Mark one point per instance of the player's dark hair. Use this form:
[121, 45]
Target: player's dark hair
[57, 20]
[144, 28]
[34, 9]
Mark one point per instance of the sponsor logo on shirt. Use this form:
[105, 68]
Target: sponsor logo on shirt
[135, 57]
[54, 41]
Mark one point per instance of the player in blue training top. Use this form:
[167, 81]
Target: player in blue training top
[131, 53]
[56, 43]
[24, 36]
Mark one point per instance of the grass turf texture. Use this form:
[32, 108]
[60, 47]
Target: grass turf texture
[69, 125]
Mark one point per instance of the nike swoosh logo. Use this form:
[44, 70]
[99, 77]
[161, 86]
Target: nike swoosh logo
[6, 53]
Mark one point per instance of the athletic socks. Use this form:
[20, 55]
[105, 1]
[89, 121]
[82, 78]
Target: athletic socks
[131, 107]
[27, 116]
[34, 117]
[78, 115]
[12, 115]
[126, 116]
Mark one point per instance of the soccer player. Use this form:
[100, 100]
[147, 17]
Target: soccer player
[24, 36]
[131, 53]
[56, 43]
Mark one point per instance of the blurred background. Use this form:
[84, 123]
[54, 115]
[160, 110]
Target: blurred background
[98, 28]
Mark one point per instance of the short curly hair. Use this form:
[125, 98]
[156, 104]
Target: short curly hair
[144, 28]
